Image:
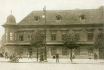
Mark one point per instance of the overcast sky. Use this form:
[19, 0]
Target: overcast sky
[21, 8]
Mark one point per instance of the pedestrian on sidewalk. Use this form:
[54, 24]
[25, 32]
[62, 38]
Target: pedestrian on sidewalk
[95, 56]
[73, 56]
[57, 58]
[41, 57]
[11, 57]
[20, 56]
[6, 55]
[29, 54]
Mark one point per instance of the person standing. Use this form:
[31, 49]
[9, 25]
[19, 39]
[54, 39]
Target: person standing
[73, 56]
[41, 57]
[28, 55]
[95, 56]
[14, 55]
[6, 55]
[20, 55]
[57, 58]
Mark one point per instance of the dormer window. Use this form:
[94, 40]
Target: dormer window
[36, 18]
[58, 17]
[82, 17]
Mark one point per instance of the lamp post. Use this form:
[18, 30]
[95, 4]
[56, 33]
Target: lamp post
[44, 16]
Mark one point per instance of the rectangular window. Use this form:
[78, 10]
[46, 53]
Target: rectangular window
[90, 52]
[63, 35]
[53, 36]
[43, 35]
[30, 51]
[90, 36]
[77, 51]
[20, 51]
[15, 36]
[64, 51]
[53, 51]
[77, 36]
[11, 36]
[6, 36]
[29, 36]
[21, 38]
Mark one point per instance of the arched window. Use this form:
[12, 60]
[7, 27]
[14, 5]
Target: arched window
[58, 17]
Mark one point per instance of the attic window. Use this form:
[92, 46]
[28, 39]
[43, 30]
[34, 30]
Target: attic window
[82, 17]
[36, 18]
[58, 17]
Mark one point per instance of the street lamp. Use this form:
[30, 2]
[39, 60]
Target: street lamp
[44, 16]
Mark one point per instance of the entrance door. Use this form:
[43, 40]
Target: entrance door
[101, 53]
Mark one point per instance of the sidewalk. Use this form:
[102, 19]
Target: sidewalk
[61, 61]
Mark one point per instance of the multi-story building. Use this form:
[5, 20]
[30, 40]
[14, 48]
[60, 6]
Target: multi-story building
[85, 23]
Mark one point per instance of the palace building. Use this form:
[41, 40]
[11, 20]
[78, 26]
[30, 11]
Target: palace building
[85, 23]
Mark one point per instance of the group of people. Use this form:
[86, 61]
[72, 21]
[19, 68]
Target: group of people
[14, 55]
[41, 56]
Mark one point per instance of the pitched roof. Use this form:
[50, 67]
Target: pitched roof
[92, 16]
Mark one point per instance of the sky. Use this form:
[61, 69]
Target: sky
[21, 8]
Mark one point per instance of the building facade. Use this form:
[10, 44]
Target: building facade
[85, 23]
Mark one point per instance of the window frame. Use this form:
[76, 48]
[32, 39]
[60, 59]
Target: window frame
[64, 52]
[77, 35]
[11, 36]
[53, 36]
[53, 51]
[58, 17]
[64, 34]
[36, 18]
[6, 36]
[21, 37]
[90, 36]
[82, 17]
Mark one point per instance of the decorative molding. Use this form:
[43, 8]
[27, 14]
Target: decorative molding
[101, 29]
[53, 29]
[64, 29]
[77, 29]
[23, 30]
[90, 29]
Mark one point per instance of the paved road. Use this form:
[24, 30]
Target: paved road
[37, 66]
[65, 64]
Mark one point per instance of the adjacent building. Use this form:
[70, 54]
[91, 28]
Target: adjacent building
[85, 23]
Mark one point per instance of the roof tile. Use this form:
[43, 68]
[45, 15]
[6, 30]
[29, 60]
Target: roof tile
[68, 17]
